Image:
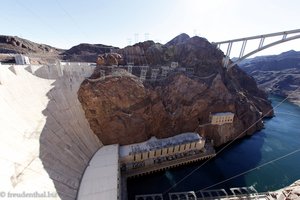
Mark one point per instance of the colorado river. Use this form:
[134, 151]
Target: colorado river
[280, 137]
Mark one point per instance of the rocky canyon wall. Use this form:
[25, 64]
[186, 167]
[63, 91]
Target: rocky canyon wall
[123, 109]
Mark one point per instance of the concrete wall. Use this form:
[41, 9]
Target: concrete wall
[45, 140]
[21, 59]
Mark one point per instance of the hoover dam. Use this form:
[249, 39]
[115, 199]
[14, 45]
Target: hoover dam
[48, 149]
[46, 141]
[70, 129]
[149, 100]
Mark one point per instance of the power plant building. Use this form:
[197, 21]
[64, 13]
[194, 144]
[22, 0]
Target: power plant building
[154, 150]
[222, 118]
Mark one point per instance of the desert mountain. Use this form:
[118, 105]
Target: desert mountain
[14, 44]
[277, 74]
[123, 109]
[41, 53]
[86, 52]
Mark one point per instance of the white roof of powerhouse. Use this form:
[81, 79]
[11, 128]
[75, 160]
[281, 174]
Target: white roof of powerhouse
[154, 143]
[222, 114]
[100, 179]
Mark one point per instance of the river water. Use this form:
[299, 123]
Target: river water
[280, 136]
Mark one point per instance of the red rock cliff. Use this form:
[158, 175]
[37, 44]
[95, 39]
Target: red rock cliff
[123, 109]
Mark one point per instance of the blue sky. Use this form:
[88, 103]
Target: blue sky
[65, 23]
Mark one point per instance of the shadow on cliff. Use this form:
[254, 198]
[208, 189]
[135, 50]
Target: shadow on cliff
[240, 156]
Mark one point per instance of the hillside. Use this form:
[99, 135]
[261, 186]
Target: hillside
[277, 74]
[86, 52]
[123, 109]
[41, 53]
[14, 44]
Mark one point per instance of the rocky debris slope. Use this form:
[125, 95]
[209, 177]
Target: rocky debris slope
[123, 109]
[279, 75]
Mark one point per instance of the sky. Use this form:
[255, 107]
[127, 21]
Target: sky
[65, 23]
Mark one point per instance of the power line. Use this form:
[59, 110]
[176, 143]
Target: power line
[39, 18]
[217, 153]
[35, 16]
[75, 22]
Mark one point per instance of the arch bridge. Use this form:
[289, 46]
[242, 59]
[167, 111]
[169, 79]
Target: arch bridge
[285, 37]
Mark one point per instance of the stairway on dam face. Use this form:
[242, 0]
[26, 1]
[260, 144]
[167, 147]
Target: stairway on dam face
[46, 141]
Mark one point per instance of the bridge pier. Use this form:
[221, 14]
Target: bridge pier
[243, 48]
[261, 43]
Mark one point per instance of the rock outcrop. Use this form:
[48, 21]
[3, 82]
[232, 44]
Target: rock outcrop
[109, 59]
[123, 109]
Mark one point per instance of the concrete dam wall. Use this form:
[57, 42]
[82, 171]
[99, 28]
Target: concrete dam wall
[46, 141]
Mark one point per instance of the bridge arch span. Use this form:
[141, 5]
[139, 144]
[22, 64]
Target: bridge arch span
[285, 38]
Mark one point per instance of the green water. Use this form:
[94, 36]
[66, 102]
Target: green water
[280, 137]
